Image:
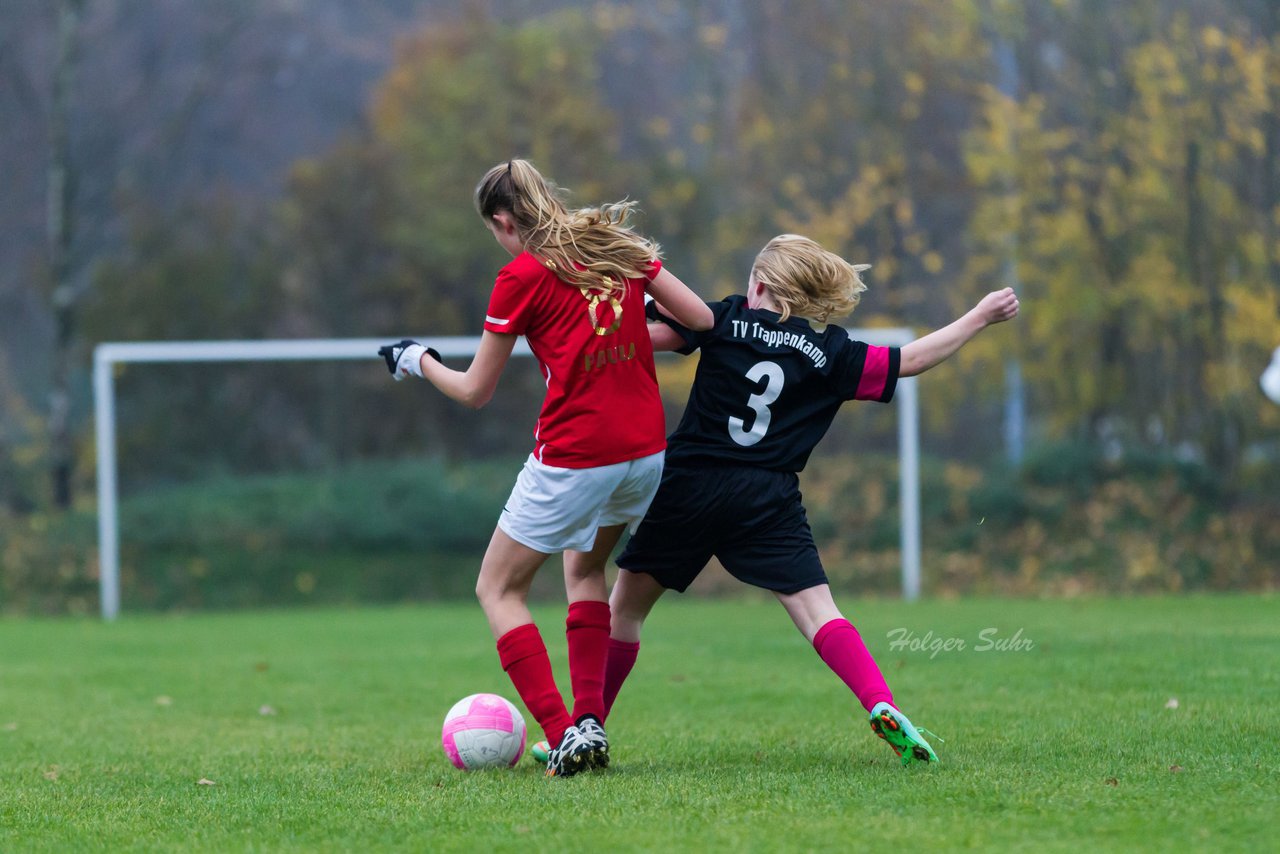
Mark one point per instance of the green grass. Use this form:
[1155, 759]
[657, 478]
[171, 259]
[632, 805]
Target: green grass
[730, 735]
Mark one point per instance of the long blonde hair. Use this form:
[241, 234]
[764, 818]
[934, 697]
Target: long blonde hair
[588, 247]
[807, 280]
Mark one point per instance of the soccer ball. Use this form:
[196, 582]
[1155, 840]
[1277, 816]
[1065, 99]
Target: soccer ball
[483, 731]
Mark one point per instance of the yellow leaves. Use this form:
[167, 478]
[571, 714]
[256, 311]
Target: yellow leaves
[557, 59]
[714, 36]
[659, 127]
[673, 196]
[1252, 320]
[1213, 38]
[1141, 557]
[675, 377]
[960, 477]
[610, 18]
[1159, 284]
[793, 186]
[1029, 568]
[874, 497]
[960, 481]
[904, 211]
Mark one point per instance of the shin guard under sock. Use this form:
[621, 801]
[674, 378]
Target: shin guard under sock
[622, 657]
[840, 646]
[587, 634]
[524, 658]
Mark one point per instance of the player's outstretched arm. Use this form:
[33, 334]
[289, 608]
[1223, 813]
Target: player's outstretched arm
[677, 301]
[932, 349]
[473, 387]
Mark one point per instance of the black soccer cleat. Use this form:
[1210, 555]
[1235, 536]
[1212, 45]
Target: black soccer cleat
[593, 730]
[571, 755]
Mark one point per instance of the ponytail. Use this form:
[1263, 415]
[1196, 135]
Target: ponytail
[591, 248]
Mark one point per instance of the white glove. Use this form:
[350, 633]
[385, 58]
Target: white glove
[405, 358]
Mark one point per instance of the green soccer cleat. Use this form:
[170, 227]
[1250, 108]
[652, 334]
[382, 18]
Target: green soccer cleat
[540, 752]
[906, 741]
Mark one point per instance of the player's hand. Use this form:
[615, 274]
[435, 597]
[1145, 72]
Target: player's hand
[998, 306]
[405, 358]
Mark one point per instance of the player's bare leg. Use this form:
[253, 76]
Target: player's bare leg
[506, 574]
[810, 609]
[584, 578]
[633, 597]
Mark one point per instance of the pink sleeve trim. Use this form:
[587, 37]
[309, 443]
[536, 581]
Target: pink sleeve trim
[875, 374]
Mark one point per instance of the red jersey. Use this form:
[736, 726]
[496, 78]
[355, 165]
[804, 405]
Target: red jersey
[602, 405]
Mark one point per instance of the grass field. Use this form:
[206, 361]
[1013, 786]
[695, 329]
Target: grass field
[319, 731]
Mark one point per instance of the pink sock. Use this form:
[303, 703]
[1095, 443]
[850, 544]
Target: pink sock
[622, 657]
[840, 646]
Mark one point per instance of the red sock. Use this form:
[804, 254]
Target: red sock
[587, 631]
[524, 657]
[841, 647]
[622, 657]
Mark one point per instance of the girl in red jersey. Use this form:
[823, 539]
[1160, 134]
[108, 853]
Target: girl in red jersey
[575, 289]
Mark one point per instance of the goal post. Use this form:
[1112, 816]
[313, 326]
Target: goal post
[106, 356]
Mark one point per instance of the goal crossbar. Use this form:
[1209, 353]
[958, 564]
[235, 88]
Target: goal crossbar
[107, 356]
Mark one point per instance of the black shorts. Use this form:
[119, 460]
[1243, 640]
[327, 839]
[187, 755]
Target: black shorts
[751, 519]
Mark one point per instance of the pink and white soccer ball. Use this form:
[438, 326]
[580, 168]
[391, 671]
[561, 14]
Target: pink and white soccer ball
[483, 731]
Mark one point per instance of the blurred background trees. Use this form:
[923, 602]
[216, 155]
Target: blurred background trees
[276, 169]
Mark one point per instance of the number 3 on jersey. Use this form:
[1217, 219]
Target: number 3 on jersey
[759, 404]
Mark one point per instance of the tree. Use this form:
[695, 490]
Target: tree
[63, 274]
[1141, 234]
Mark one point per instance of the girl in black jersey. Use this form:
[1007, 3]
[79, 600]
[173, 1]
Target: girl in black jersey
[771, 376]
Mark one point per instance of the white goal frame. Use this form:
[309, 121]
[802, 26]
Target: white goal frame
[107, 356]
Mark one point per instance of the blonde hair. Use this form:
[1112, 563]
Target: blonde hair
[807, 280]
[587, 247]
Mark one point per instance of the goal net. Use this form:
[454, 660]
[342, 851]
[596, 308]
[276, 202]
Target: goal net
[113, 360]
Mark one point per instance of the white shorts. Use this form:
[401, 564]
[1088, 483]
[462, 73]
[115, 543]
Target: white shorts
[555, 509]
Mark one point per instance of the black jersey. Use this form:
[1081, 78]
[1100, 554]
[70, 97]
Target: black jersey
[766, 391]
